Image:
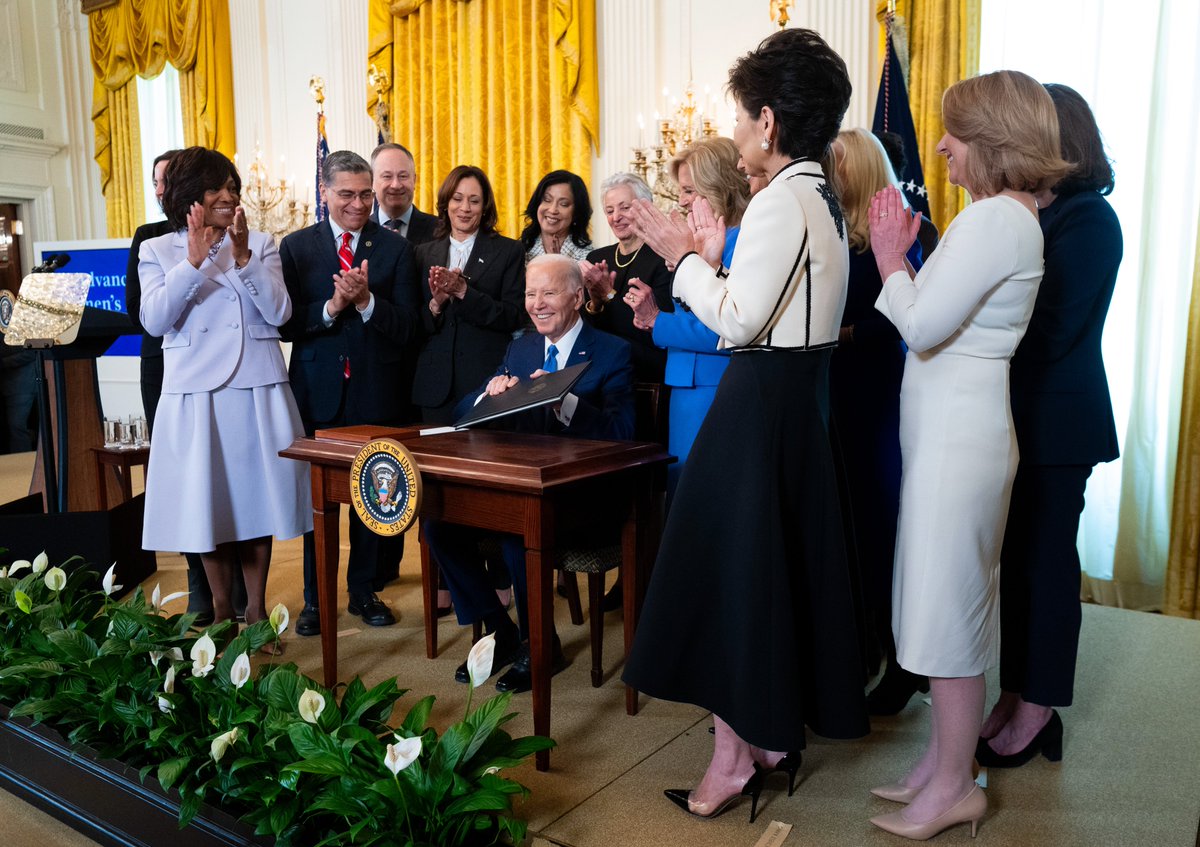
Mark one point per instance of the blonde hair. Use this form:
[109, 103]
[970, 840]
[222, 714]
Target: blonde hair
[713, 162]
[1010, 126]
[858, 167]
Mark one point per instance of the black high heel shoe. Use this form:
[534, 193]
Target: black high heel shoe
[752, 789]
[790, 765]
[1048, 742]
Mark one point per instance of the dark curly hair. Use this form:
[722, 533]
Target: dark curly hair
[579, 220]
[803, 81]
[191, 172]
[1081, 143]
[489, 215]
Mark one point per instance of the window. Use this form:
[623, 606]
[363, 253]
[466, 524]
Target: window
[161, 118]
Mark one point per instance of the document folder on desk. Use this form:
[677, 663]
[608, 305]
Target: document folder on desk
[527, 394]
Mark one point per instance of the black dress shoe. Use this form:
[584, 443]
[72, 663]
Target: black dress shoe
[371, 609]
[203, 619]
[519, 677]
[309, 621]
[894, 691]
[507, 651]
[752, 789]
[1048, 742]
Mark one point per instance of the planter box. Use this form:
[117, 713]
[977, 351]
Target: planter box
[104, 800]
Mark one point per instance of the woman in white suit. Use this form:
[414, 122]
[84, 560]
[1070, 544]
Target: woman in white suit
[962, 317]
[214, 291]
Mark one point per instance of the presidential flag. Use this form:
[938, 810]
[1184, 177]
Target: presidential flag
[322, 151]
[892, 114]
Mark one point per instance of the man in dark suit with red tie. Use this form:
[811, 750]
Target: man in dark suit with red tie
[394, 181]
[354, 321]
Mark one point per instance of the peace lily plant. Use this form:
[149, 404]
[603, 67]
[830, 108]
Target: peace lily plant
[291, 758]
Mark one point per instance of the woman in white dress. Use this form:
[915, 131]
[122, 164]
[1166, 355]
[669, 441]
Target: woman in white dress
[962, 317]
[214, 291]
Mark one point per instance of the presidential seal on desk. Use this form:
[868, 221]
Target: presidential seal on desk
[385, 487]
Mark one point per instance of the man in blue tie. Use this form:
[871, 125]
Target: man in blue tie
[600, 406]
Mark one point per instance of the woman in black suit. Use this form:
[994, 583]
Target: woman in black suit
[1064, 423]
[473, 284]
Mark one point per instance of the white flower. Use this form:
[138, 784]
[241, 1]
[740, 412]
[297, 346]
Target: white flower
[164, 705]
[18, 565]
[311, 705]
[169, 680]
[40, 562]
[108, 582]
[402, 754]
[239, 674]
[56, 579]
[491, 771]
[157, 601]
[279, 618]
[204, 653]
[479, 660]
[222, 743]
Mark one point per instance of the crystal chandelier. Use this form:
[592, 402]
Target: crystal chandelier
[271, 205]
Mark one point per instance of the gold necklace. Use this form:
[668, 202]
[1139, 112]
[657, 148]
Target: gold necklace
[617, 256]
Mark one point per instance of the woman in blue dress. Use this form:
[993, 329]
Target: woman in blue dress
[707, 169]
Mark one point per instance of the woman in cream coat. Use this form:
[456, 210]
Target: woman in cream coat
[214, 291]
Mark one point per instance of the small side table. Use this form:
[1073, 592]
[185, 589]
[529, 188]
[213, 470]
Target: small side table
[122, 461]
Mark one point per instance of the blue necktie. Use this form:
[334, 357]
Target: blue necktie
[551, 360]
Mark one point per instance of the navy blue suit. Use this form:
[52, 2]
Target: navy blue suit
[1064, 423]
[379, 352]
[605, 411]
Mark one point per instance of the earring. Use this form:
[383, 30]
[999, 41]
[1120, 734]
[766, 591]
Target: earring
[766, 143]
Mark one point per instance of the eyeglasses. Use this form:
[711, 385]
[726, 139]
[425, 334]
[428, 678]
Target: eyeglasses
[347, 196]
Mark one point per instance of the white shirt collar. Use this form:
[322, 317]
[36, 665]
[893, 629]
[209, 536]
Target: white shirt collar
[337, 236]
[566, 344]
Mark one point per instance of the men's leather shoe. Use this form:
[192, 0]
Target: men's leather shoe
[203, 619]
[519, 677]
[371, 609]
[507, 651]
[309, 621]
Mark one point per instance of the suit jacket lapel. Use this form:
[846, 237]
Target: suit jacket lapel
[582, 351]
[214, 270]
[366, 242]
[480, 259]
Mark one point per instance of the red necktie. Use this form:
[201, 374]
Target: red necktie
[346, 255]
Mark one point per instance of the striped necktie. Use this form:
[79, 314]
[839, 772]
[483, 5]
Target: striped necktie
[345, 254]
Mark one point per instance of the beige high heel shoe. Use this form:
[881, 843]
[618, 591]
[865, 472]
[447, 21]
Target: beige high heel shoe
[972, 807]
[896, 792]
[899, 793]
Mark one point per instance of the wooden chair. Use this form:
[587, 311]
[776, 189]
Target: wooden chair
[651, 417]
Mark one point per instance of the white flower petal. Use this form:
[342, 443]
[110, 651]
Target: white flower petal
[169, 680]
[56, 579]
[40, 562]
[402, 754]
[479, 660]
[222, 743]
[311, 705]
[18, 565]
[108, 583]
[239, 674]
[279, 618]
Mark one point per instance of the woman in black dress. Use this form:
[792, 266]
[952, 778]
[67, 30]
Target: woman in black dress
[607, 271]
[750, 610]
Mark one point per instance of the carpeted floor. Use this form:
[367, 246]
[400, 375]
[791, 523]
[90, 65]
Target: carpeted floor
[1129, 775]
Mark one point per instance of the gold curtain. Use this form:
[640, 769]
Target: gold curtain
[508, 85]
[140, 37]
[1182, 595]
[943, 48]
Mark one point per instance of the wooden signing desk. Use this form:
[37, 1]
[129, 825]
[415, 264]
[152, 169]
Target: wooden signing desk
[530, 485]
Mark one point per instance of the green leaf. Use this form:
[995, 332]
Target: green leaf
[170, 770]
[44, 668]
[326, 763]
[418, 716]
[282, 815]
[480, 800]
[310, 741]
[24, 603]
[74, 645]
